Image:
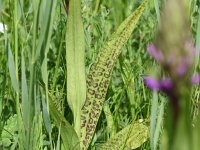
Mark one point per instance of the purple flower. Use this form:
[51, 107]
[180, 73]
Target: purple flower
[164, 85]
[177, 63]
[182, 68]
[155, 53]
[152, 83]
[178, 68]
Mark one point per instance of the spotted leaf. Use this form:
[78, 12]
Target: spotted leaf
[131, 137]
[100, 73]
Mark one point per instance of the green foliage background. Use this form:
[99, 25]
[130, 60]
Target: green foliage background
[32, 56]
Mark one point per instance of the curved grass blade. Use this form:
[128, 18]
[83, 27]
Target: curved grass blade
[26, 104]
[131, 137]
[100, 74]
[47, 121]
[25, 101]
[11, 67]
[69, 137]
[75, 57]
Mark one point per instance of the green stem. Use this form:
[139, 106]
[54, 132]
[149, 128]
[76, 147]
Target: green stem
[96, 6]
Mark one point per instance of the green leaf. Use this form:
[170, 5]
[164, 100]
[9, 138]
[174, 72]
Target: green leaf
[46, 25]
[47, 120]
[12, 69]
[9, 131]
[131, 137]
[100, 74]
[75, 57]
[26, 104]
[69, 137]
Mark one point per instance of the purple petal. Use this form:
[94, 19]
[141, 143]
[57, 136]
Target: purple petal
[183, 67]
[152, 83]
[166, 85]
[155, 53]
[195, 78]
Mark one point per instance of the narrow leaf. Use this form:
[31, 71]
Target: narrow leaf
[25, 100]
[44, 27]
[49, 7]
[75, 55]
[12, 69]
[131, 137]
[47, 120]
[100, 74]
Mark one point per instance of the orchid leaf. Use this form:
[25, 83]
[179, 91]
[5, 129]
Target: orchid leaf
[131, 137]
[100, 73]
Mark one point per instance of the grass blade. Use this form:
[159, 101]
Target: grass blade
[75, 55]
[156, 5]
[110, 121]
[159, 123]
[26, 103]
[25, 100]
[12, 69]
[100, 74]
[153, 118]
[45, 28]
[128, 79]
[47, 120]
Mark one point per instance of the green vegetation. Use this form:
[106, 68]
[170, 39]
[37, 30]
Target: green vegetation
[71, 75]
